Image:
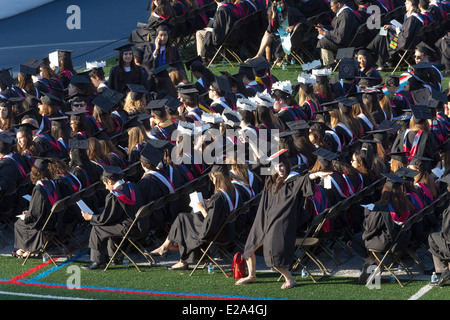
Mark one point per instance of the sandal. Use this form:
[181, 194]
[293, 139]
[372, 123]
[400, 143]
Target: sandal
[18, 254]
[288, 285]
[246, 280]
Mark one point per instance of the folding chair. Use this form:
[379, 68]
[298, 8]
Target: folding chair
[219, 245]
[393, 254]
[143, 212]
[306, 245]
[227, 45]
[50, 235]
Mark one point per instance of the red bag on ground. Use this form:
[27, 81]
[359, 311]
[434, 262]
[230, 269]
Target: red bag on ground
[239, 267]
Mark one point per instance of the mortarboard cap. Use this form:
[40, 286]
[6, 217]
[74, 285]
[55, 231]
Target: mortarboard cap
[161, 71]
[420, 162]
[103, 103]
[325, 157]
[421, 113]
[79, 81]
[152, 154]
[125, 48]
[425, 48]
[406, 173]
[212, 118]
[112, 172]
[137, 91]
[50, 99]
[157, 107]
[29, 68]
[197, 59]
[6, 78]
[112, 95]
[76, 115]
[348, 68]
[259, 63]
[160, 144]
[421, 96]
[399, 156]
[79, 144]
[298, 125]
[392, 179]
[6, 138]
[223, 84]
[231, 118]
[41, 163]
[25, 127]
[343, 53]
[247, 71]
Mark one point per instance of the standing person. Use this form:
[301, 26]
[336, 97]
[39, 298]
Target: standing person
[121, 205]
[125, 72]
[274, 227]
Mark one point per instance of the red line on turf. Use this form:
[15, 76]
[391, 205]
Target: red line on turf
[188, 296]
[27, 273]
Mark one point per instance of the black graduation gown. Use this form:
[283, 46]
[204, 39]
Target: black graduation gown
[439, 242]
[87, 180]
[152, 189]
[342, 30]
[114, 221]
[427, 146]
[275, 223]
[27, 233]
[134, 76]
[380, 230]
[223, 20]
[405, 39]
[12, 173]
[191, 230]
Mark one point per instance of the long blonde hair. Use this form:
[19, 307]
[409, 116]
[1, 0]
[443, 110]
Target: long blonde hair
[135, 106]
[136, 135]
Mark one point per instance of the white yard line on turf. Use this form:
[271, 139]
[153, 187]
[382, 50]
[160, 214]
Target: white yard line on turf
[40, 296]
[421, 292]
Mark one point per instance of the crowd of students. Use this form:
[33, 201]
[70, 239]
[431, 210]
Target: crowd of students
[137, 132]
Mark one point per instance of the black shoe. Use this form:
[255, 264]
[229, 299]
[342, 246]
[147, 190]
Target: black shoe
[93, 266]
[445, 276]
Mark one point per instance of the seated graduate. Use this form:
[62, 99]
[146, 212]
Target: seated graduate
[438, 244]
[340, 33]
[154, 184]
[192, 229]
[121, 205]
[283, 20]
[386, 218]
[221, 95]
[28, 234]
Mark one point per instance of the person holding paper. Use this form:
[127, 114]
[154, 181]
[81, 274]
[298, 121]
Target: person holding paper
[28, 236]
[400, 36]
[190, 230]
[340, 33]
[121, 205]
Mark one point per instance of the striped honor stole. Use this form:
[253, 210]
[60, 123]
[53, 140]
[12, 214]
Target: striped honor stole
[399, 220]
[131, 201]
[52, 195]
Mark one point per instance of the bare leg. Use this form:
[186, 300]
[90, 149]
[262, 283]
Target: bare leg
[289, 279]
[163, 248]
[266, 40]
[251, 265]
